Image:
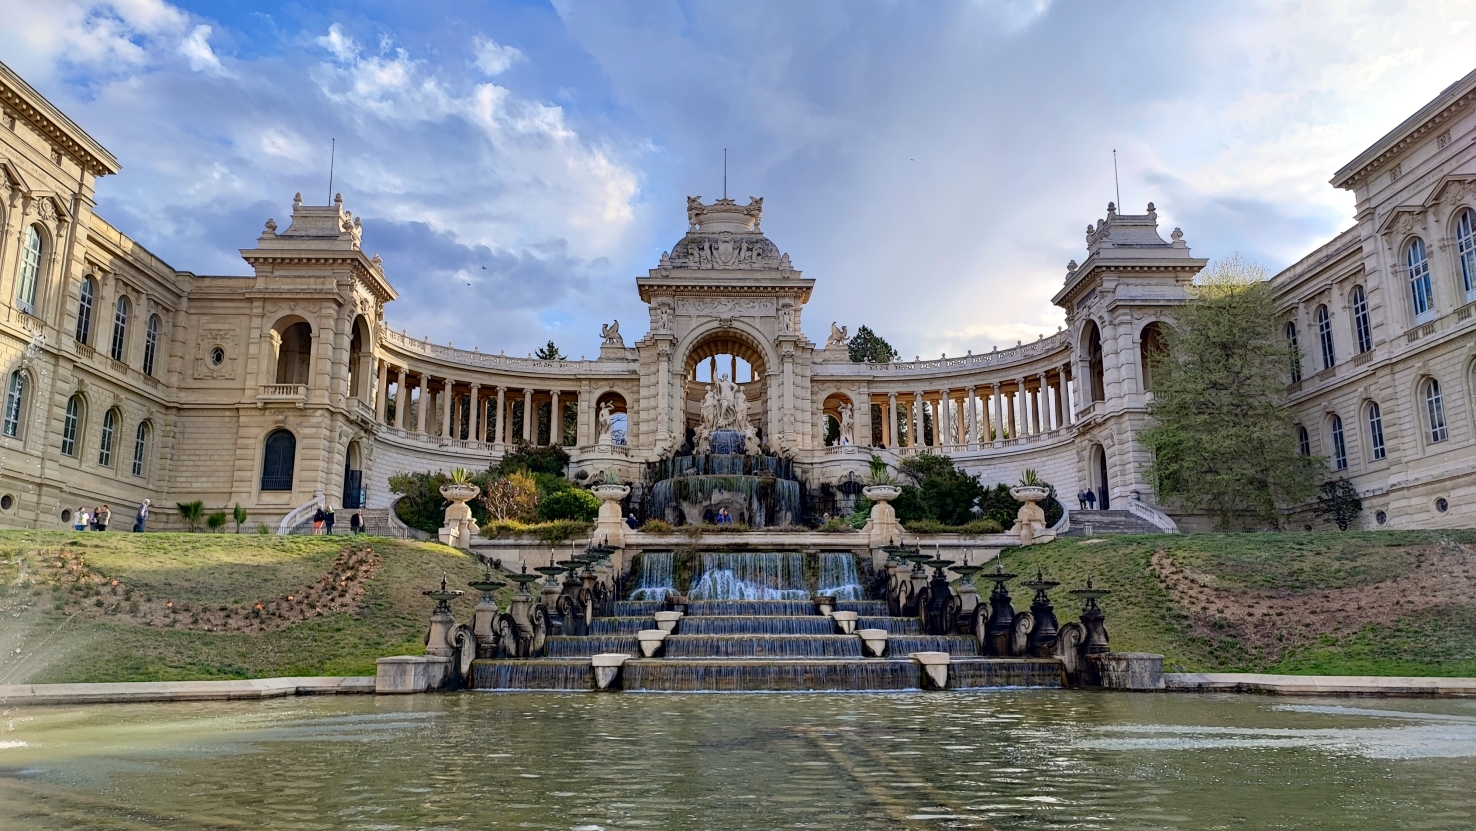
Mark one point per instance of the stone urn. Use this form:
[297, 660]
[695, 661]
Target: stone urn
[1030, 521]
[610, 525]
[882, 526]
[457, 528]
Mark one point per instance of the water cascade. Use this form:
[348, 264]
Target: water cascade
[838, 576]
[655, 582]
[745, 575]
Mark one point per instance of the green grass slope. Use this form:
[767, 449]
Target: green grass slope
[1350, 603]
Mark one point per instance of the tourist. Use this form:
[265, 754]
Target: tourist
[80, 520]
[1081, 499]
[356, 523]
[630, 522]
[92, 517]
[103, 517]
[318, 517]
[1091, 500]
[328, 519]
[141, 518]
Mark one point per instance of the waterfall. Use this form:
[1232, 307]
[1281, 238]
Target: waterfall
[656, 581]
[744, 575]
[838, 576]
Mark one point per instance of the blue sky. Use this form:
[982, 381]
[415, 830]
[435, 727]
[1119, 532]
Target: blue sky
[932, 165]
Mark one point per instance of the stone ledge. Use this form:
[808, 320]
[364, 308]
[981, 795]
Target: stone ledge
[253, 689]
[1248, 682]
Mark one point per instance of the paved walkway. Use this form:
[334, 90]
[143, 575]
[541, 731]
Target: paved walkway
[249, 690]
[1250, 682]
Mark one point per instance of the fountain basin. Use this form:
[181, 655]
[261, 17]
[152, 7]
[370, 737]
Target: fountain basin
[607, 668]
[845, 621]
[935, 666]
[667, 621]
[650, 641]
[875, 641]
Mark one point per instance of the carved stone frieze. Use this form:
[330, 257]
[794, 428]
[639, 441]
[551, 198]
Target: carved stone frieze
[726, 306]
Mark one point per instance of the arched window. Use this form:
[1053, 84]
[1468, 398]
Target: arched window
[105, 443]
[1296, 352]
[278, 460]
[30, 271]
[1095, 362]
[1375, 431]
[151, 344]
[1362, 328]
[1419, 278]
[1304, 441]
[120, 328]
[84, 310]
[294, 353]
[1324, 337]
[1465, 235]
[140, 448]
[1340, 449]
[70, 425]
[1154, 351]
[1435, 411]
[15, 397]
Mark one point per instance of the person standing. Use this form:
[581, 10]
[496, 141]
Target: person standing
[141, 518]
[630, 522]
[1091, 500]
[356, 523]
[92, 517]
[328, 519]
[103, 517]
[80, 520]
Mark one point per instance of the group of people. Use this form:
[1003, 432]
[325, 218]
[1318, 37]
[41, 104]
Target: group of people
[724, 517]
[323, 520]
[98, 517]
[1086, 499]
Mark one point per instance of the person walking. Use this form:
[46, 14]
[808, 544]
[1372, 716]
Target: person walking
[80, 520]
[1081, 500]
[318, 518]
[356, 523]
[328, 519]
[1091, 500]
[103, 517]
[141, 518]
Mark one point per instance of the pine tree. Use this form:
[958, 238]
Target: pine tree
[1224, 442]
[549, 353]
[867, 345]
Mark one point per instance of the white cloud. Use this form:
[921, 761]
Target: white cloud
[339, 43]
[196, 49]
[492, 57]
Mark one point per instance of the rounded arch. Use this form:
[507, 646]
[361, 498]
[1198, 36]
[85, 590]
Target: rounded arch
[122, 311]
[1097, 476]
[1373, 418]
[278, 460]
[151, 344]
[1337, 441]
[1463, 234]
[35, 244]
[353, 474]
[1091, 347]
[1323, 318]
[143, 436]
[1430, 401]
[712, 338]
[1362, 323]
[1304, 441]
[1152, 351]
[74, 421]
[360, 356]
[107, 438]
[838, 419]
[86, 309]
[19, 385]
[612, 418]
[1416, 259]
[293, 339]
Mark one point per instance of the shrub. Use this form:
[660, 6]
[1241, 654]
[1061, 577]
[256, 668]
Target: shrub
[554, 532]
[570, 503]
[261, 528]
[551, 460]
[191, 512]
[656, 526]
[216, 520]
[513, 497]
[239, 515]
[835, 525]
[420, 505]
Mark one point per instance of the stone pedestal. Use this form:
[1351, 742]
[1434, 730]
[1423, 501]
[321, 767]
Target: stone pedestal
[610, 524]
[845, 621]
[882, 528]
[1030, 522]
[438, 639]
[410, 673]
[935, 665]
[458, 525]
[874, 640]
[667, 621]
[650, 641]
[607, 668]
[1126, 670]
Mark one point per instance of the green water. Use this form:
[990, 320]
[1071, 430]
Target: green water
[1003, 760]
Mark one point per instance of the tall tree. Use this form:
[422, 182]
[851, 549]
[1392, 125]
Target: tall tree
[1224, 440]
[549, 353]
[867, 345]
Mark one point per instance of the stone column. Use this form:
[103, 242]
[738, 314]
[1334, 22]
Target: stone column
[940, 418]
[999, 419]
[555, 422]
[530, 418]
[381, 393]
[892, 441]
[917, 420]
[663, 398]
[1058, 395]
[448, 402]
[500, 438]
[421, 407]
[1069, 406]
[402, 401]
[1037, 424]
[972, 436]
[787, 420]
[474, 418]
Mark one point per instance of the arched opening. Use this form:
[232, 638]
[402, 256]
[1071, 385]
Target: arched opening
[29, 277]
[72, 421]
[1092, 338]
[112, 421]
[359, 360]
[1098, 474]
[85, 301]
[1152, 352]
[727, 363]
[141, 448]
[278, 460]
[121, 313]
[353, 477]
[15, 405]
[151, 344]
[294, 351]
[612, 422]
[839, 417]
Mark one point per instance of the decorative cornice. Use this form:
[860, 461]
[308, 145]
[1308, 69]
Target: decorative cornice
[1416, 128]
[27, 103]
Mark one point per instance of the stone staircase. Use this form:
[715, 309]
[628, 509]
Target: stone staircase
[1106, 523]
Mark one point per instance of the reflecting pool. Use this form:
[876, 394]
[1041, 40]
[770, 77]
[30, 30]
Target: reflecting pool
[1000, 759]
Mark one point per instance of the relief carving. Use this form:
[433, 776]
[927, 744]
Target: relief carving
[214, 335]
[730, 306]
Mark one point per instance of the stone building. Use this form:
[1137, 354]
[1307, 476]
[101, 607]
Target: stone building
[126, 379]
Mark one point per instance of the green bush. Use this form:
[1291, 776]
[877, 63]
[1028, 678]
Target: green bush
[570, 503]
[933, 526]
[555, 532]
[835, 525]
[656, 526]
[216, 520]
[550, 460]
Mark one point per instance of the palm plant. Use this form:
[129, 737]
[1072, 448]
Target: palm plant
[191, 512]
[239, 515]
[215, 521]
[461, 476]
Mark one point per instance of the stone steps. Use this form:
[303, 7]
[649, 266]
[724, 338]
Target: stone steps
[1108, 523]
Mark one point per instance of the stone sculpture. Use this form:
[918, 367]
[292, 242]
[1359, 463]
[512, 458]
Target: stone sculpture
[838, 337]
[847, 423]
[607, 427]
[611, 334]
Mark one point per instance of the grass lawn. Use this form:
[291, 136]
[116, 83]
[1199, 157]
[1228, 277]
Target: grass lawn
[185, 605]
[1349, 603]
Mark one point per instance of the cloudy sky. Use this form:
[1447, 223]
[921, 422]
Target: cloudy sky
[931, 164]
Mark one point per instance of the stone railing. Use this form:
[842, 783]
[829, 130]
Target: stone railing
[282, 392]
[1157, 518]
[984, 360]
[401, 342]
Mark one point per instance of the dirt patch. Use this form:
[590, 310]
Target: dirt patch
[1272, 623]
[76, 589]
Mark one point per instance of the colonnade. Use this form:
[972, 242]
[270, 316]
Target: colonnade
[468, 411]
[978, 415]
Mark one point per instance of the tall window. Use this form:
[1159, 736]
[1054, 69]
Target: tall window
[151, 344]
[1296, 352]
[84, 310]
[1375, 431]
[105, 446]
[1340, 449]
[1435, 410]
[1362, 328]
[1419, 278]
[1466, 250]
[1304, 441]
[140, 447]
[1324, 337]
[30, 271]
[277, 461]
[120, 328]
[69, 425]
[15, 396]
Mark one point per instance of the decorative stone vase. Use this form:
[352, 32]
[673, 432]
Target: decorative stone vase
[609, 525]
[457, 528]
[882, 527]
[1030, 521]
